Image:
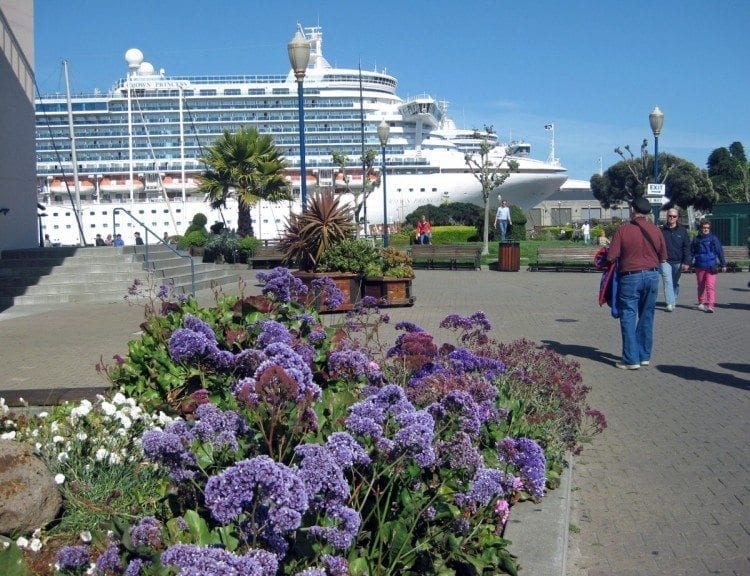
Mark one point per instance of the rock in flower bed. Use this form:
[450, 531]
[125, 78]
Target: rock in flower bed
[258, 440]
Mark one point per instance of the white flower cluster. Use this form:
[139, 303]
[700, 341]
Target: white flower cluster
[34, 543]
[108, 431]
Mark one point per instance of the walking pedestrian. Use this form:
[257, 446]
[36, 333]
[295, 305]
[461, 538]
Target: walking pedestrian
[586, 229]
[708, 258]
[641, 249]
[502, 219]
[678, 257]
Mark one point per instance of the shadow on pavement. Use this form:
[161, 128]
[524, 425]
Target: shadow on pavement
[693, 373]
[735, 367]
[593, 354]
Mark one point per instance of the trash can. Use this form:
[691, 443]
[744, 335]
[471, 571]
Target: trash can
[509, 257]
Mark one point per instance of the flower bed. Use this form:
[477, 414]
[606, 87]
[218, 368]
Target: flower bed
[269, 443]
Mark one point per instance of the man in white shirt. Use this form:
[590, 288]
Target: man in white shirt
[586, 229]
[502, 219]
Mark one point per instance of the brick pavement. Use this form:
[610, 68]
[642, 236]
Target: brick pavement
[663, 492]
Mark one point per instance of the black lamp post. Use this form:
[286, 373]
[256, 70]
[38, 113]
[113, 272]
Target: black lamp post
[299, 56]
[656, 119]
[383, 132]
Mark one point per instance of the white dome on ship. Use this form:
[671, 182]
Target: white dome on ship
[146, 69]
[133, 57]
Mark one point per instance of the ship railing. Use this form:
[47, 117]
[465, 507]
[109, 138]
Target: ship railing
[146, 232]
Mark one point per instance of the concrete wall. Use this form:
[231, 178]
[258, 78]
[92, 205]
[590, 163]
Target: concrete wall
[19, 226]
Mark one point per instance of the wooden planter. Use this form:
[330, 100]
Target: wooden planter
[390, 291]
[350, 284]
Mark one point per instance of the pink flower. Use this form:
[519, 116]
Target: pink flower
[502, 509]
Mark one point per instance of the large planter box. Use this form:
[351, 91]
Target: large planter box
[350, 284]
[390, 291]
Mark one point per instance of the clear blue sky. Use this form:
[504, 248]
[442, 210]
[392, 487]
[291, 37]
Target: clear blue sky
[594, 69]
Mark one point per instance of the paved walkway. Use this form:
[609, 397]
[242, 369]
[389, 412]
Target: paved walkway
[665, 490]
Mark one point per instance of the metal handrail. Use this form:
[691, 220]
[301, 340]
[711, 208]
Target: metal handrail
[148, 231]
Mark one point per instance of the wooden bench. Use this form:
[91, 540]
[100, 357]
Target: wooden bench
[452, 256]
[265, 257]
[737, 258]
[565, 258]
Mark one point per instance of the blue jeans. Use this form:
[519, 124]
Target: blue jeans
[666, 276]
[676, 273]
[502, 227]
[637, 298]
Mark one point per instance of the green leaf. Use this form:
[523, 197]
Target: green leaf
[198, 528]
[12, 562]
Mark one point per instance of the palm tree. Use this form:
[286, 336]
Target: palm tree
[249, 163]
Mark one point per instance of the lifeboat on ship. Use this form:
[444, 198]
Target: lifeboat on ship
[295, 180]
[174, 184]
[58, 186]
[354, 180]
[121, 185]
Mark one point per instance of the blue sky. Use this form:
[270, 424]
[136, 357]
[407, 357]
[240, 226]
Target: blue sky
[594, 69]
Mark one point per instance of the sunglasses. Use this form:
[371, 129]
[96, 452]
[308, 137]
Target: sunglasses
[671, 215]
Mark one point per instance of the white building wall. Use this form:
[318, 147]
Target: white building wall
[19, 226]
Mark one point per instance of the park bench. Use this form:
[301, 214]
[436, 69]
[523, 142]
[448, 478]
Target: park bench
[265, 257]
[565, 258]
[452, 256]
[737, 258]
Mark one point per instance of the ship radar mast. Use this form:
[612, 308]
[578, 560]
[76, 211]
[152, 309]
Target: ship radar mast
[552, 159]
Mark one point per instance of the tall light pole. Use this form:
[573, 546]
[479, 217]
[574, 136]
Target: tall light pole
[383, 132]
[656, 119]
[299, 56]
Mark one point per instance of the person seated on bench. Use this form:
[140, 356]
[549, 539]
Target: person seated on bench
[424, 231]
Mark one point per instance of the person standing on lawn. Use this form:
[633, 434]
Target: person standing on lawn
[502, 219]
[640, 246]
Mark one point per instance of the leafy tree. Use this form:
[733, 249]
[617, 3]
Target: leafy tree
[448, 214]
[360, 196]
[490, 175]
[249, 163]
[729, 171]
[686, 184]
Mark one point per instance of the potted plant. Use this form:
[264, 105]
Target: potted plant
[389, 278]
[308, 236]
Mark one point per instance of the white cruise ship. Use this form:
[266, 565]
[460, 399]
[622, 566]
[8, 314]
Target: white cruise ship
[138, 147]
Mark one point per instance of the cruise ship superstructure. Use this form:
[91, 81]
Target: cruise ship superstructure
[139, 146]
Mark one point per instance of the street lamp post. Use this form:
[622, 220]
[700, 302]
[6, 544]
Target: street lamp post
[383, 131]
[656, 119]
[299, 56]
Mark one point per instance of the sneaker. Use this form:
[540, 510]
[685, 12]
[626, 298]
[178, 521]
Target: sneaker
[645, 362]
[670, 307]
[709, 310]
[702, 307]
[627, 366]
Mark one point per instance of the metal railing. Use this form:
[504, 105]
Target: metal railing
[146, 232]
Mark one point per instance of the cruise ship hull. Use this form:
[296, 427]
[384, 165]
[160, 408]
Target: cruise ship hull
[139, 147]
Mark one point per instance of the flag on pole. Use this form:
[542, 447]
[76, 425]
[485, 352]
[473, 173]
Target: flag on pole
[549, 126]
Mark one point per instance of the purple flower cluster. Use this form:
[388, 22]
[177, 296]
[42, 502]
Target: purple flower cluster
[336, 565]
[109, 561]
[386, 413]
[281, 285]
[147, 533]
[294, 365]
[271, 491]
[344, 533]
[460, 453]
[196, 342]
[487, 484]
[72, 557]
[192, 560]
[473, 328]
[134, 567]
[272, 331]
[462, 360]
[220, 428]
[528, 457]
[332, 296]
[350, 364]
[170, 448]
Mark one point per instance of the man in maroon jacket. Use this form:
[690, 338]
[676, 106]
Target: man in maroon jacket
[641, 249]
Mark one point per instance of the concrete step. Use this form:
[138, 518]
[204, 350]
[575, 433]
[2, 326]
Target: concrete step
[71, 274]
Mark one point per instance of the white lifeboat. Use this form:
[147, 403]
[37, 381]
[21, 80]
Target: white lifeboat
[353, 180]
[58, 186]
[113, 185]
[294, 179]
[174, 184]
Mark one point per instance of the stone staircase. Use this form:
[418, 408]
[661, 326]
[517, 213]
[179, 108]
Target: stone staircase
[44, 276]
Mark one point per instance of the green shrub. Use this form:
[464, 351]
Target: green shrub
[194, 238]
[349, 256]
